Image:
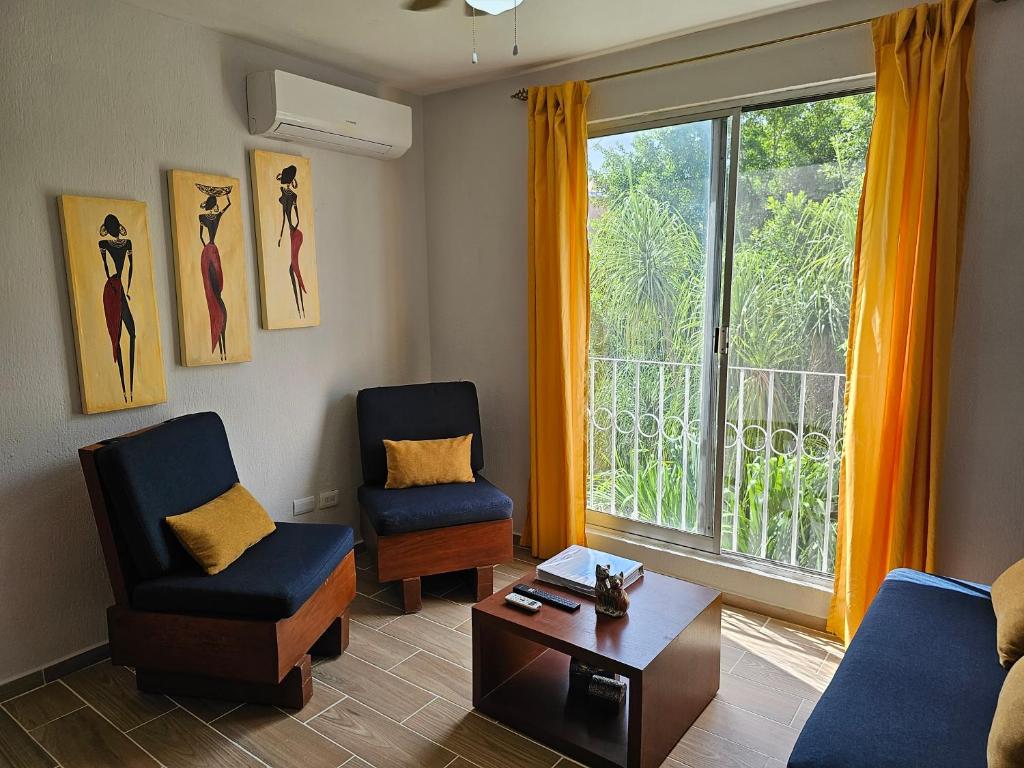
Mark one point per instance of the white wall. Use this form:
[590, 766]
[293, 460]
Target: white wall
[100, 98]
[476, 234]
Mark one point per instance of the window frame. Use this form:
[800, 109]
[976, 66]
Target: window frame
[729, 113]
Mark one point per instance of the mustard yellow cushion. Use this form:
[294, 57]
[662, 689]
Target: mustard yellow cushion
[217, 533]
[1006, 738]
[429, 462]
[1008, 604]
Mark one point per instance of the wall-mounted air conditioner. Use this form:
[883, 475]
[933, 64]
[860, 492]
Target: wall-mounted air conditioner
[292, 108]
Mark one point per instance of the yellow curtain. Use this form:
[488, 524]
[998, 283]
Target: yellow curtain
[906, 267]
[559, 317]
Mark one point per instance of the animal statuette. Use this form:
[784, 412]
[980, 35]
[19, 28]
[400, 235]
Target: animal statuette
[612, 599]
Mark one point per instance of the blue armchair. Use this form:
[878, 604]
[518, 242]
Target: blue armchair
[416, 532]
[243, 634]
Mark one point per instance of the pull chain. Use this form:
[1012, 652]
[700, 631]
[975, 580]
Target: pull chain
[474, 34]
[515, 28]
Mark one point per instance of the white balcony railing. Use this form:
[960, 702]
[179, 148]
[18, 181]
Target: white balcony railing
[783, 445]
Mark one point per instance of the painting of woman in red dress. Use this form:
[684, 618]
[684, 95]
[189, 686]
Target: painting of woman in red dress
[289, 201]
[115, 251]
[210, 266]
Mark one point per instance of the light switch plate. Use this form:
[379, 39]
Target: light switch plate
[302, 506]
[328, 499]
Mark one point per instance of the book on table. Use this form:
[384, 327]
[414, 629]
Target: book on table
[574, 568]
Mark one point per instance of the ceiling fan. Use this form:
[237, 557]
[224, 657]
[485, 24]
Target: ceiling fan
[492, 7]
[470, 7]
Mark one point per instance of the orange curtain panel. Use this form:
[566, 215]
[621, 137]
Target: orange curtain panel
[559, 317]
[906, 266]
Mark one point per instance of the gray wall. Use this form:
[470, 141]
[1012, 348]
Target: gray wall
[476, 192]
[100, 98]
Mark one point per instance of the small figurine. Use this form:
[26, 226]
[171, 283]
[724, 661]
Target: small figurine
[612, 599]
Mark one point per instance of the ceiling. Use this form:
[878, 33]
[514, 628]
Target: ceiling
[429, 51]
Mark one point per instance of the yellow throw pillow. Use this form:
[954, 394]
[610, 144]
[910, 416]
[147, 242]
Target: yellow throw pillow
[429, 462]
[217, 533]
[1008, 604]
[1006, 738]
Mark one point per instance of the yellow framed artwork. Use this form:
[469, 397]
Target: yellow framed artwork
[282, 200]
[209, 268]
[113, 303]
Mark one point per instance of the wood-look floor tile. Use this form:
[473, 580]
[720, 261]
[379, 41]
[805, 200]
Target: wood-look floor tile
[440, 641]
[372, 686]
[804, 712]
[782, 646]
[372, 613]
[747, 729]
[517, 569]
[366, 582]
[480, 740]
[375, 647]
[111, 690]
[447, 680]
[800, 681]
[21, 685]
[466, 627]
[461, 762]
[322, 698]
[179, 740]
[83, 739]
[17, 749]
[445, 611]
[502, 580]
[42, 705]
[279, 740]
[378, 740]
[205, 709]
[700, 749]
[768, 702]
[729, 656]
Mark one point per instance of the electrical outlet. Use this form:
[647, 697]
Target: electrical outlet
[302, 506]
[328, 499]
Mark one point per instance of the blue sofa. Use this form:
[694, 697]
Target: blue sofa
[919, 683]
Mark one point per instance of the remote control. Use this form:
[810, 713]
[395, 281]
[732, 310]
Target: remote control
[546, 597]
[522, 602]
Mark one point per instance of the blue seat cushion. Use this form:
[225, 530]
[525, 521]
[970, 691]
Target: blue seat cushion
[272, 580]
[415, 412]
[403, 510]
[918, 685]
[172, 468]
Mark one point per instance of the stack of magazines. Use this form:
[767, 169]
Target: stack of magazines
[574, 568]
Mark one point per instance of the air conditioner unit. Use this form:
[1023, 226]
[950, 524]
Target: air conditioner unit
[292, 108]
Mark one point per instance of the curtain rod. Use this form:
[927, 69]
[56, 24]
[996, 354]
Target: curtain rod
[522, 93]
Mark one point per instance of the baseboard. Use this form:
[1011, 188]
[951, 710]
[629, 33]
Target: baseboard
[53, 671]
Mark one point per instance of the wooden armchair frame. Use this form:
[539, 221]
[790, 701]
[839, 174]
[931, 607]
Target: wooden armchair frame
[260, 661]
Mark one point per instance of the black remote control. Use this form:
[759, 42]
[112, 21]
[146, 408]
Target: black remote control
[546, 597]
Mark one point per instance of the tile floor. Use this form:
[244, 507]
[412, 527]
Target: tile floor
[401, 698]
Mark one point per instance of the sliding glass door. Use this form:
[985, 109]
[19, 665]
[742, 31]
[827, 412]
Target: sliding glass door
[720, 281]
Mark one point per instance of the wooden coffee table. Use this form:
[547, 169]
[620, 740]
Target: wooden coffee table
[667, 647]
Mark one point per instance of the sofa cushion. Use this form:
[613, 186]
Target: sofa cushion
[1006, 739]
[918, 685]
[270, 581]
[415, 412]
[403, 510]
[217, 533]
[1008, 604]
[429, 462]
[167, 470]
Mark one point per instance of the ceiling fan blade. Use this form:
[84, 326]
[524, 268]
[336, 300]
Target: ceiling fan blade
[424, 5]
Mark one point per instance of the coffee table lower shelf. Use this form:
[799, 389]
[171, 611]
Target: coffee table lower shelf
[535, 701]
